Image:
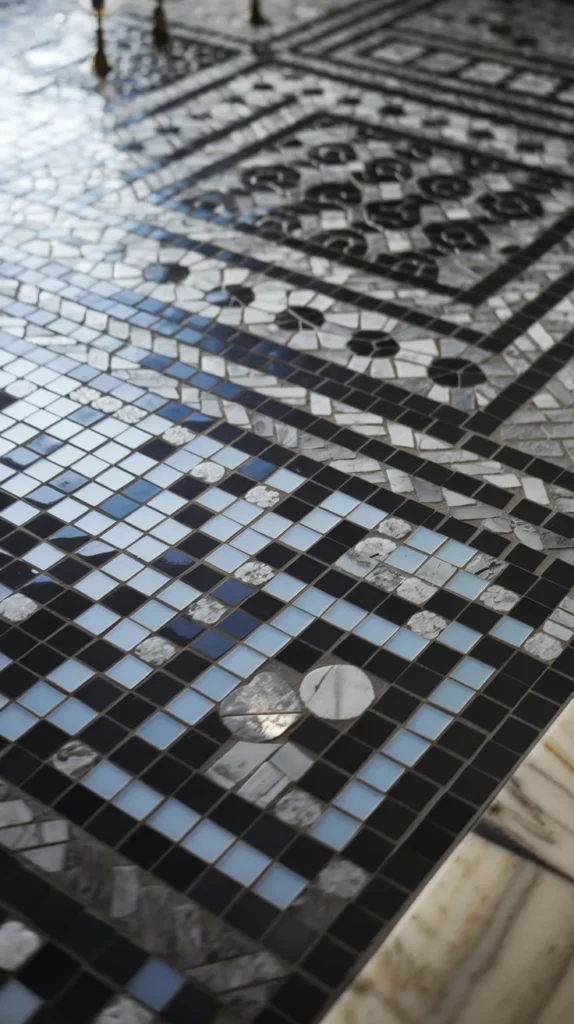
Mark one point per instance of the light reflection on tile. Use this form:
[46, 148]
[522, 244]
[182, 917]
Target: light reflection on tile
[157, 505]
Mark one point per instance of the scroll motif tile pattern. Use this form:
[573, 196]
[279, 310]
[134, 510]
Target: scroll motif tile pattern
[286, 486]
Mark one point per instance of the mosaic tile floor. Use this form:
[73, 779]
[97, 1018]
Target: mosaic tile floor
[286, 484]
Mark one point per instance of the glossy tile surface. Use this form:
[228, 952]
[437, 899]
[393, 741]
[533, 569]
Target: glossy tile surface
[286, 485]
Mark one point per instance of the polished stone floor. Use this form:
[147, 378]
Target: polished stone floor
[286, 483]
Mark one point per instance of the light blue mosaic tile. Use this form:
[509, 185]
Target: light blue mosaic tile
[68, 511]
[17, 1003]
[358, 799]
[41, 698]
[292, 620]
[334, 828]
[129, 671]
[189, 706]
[168, 503]
[375, 629]
[127, 635]
[155, 984]
[72, 716]
[429, 722]
[170, 531]
[511, 630]
[425, 540]
[163, 476]
[216, 683]
[123, 567]
[93, 523]
[148, 548]
[268, 640]
[284, 587]
[243, 863]
[179, 595]
[160, 730]
[472, 672]
[456, 553]
[405, 747]
[406, 644]
[14, 722]
[467, 585]
[215, 499]
[208, 841]
[115, 479]
[70, 675]
[19, 513]
[250, 542]
[243, 512]
[320, 520]
[153, 614]
[220, 528]
[96, 619]
[339, 503]
[344, 615]
[242, 661]
[279, 886]
[43, 556]
[137, 800]
[273, 525]
[226, 558]
[184, 461]
[204, 446]
[451, 695]
[149, 581]
[406, 559]
[121, 536]
[314, 601]
[173, 819]
[380, 772]
[96, 585]
[143, 519]
[366, 516]
[229, 457]
[106, 779]
[300, 538]
[460, 637]
[285, 480]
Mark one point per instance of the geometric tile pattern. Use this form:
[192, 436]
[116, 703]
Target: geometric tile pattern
[47, 967]
[381, 200]
[286, 488]
[234, 539]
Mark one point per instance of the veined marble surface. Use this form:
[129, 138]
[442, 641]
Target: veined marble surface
[536, 807]
[491, 938]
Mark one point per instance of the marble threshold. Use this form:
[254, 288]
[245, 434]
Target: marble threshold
[491, 937]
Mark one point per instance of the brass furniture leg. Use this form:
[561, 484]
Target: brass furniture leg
[100, 63]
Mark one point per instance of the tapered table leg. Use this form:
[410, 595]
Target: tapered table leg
[160, 30]
[100, 63]
[254, 14]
